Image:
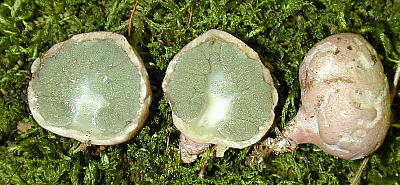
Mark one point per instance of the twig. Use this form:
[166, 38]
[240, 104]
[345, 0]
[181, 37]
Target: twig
[131, 19]
[190, 17]
[395, 82]
[356, 179]
[166, 148]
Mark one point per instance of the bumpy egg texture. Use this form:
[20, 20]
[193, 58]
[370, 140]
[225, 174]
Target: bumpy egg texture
[345, 98]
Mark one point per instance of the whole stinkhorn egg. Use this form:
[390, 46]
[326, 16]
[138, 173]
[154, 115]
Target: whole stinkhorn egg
[345, 98]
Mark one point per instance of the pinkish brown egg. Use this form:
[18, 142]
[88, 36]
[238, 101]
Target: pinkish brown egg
[345, 98]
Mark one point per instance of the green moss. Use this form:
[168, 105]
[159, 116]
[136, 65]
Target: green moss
[280, 31]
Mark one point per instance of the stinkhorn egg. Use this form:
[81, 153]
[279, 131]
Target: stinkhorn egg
[345, 98]
[93, 88]
[220, 93]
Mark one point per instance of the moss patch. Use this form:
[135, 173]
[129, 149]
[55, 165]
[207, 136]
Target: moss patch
[280, 31]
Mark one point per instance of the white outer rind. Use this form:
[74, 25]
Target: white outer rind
[226, 37]
[145, 92]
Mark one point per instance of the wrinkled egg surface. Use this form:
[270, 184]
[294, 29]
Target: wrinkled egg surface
[345, 98]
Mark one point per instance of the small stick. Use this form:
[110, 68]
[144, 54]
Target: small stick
[166, 148]
[131, 19]
[395, 82]
[356, 179]
[190, 16]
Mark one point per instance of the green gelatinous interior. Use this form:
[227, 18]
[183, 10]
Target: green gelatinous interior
[89, 86]
[217, 90]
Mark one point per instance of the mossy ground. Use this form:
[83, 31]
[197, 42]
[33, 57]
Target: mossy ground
[280, 31]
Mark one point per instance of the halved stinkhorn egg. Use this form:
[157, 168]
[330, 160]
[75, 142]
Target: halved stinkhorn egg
[93, 88]
[345, 98]
[220, 93]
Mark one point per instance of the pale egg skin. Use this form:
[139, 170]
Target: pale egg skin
[345, 98]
